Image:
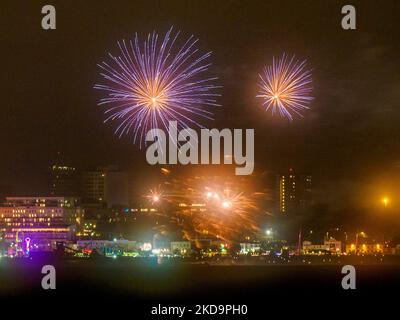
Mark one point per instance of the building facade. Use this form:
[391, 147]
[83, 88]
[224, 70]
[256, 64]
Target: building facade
[181, 247]
[64, 181]
[293, 192]
[64, 177]
[332, 246]
[38, 223]
[365, 248]
[93, 185]
[107, 185]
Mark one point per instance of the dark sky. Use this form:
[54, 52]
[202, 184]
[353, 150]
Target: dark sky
[349, 140]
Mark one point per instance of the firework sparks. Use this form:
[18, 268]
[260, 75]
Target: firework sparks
[202, 208]
[285, 87]
[147, 86]
[155, 195]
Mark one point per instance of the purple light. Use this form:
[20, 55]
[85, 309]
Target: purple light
[27, 245]
[148, 84]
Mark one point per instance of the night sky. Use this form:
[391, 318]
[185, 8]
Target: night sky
[349, 140]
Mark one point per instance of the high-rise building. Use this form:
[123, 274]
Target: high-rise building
[64, 178]
[293, 192]
[107, 185]
[116, 191]
[93, 185]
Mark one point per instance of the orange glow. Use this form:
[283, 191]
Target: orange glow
[40, 230]
[226, 204]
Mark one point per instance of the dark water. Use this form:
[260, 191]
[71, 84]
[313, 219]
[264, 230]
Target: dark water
[109, 286]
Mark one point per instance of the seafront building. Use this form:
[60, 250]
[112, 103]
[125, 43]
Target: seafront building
[38, 223]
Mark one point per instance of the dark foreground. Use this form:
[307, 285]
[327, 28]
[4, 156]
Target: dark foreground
[121, 288]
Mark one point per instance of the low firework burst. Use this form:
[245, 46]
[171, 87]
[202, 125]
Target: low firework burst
[204, 208]
[155, 195]
[285, 87]
[149, 84]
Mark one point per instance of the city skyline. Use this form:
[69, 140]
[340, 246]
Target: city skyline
[339, 157]
[197, 158]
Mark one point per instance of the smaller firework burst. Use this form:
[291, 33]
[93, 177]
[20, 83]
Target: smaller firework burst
[155, 195]
[285, 87]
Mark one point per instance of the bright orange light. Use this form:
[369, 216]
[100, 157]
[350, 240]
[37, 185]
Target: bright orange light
[385, 201]
[155, 195]
[155, 101]
[226, 204]
[165, 171]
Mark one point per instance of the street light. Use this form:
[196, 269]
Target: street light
[385, 201]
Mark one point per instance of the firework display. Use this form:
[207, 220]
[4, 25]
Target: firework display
[285, 87]
[206, 207]
[148, 84]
